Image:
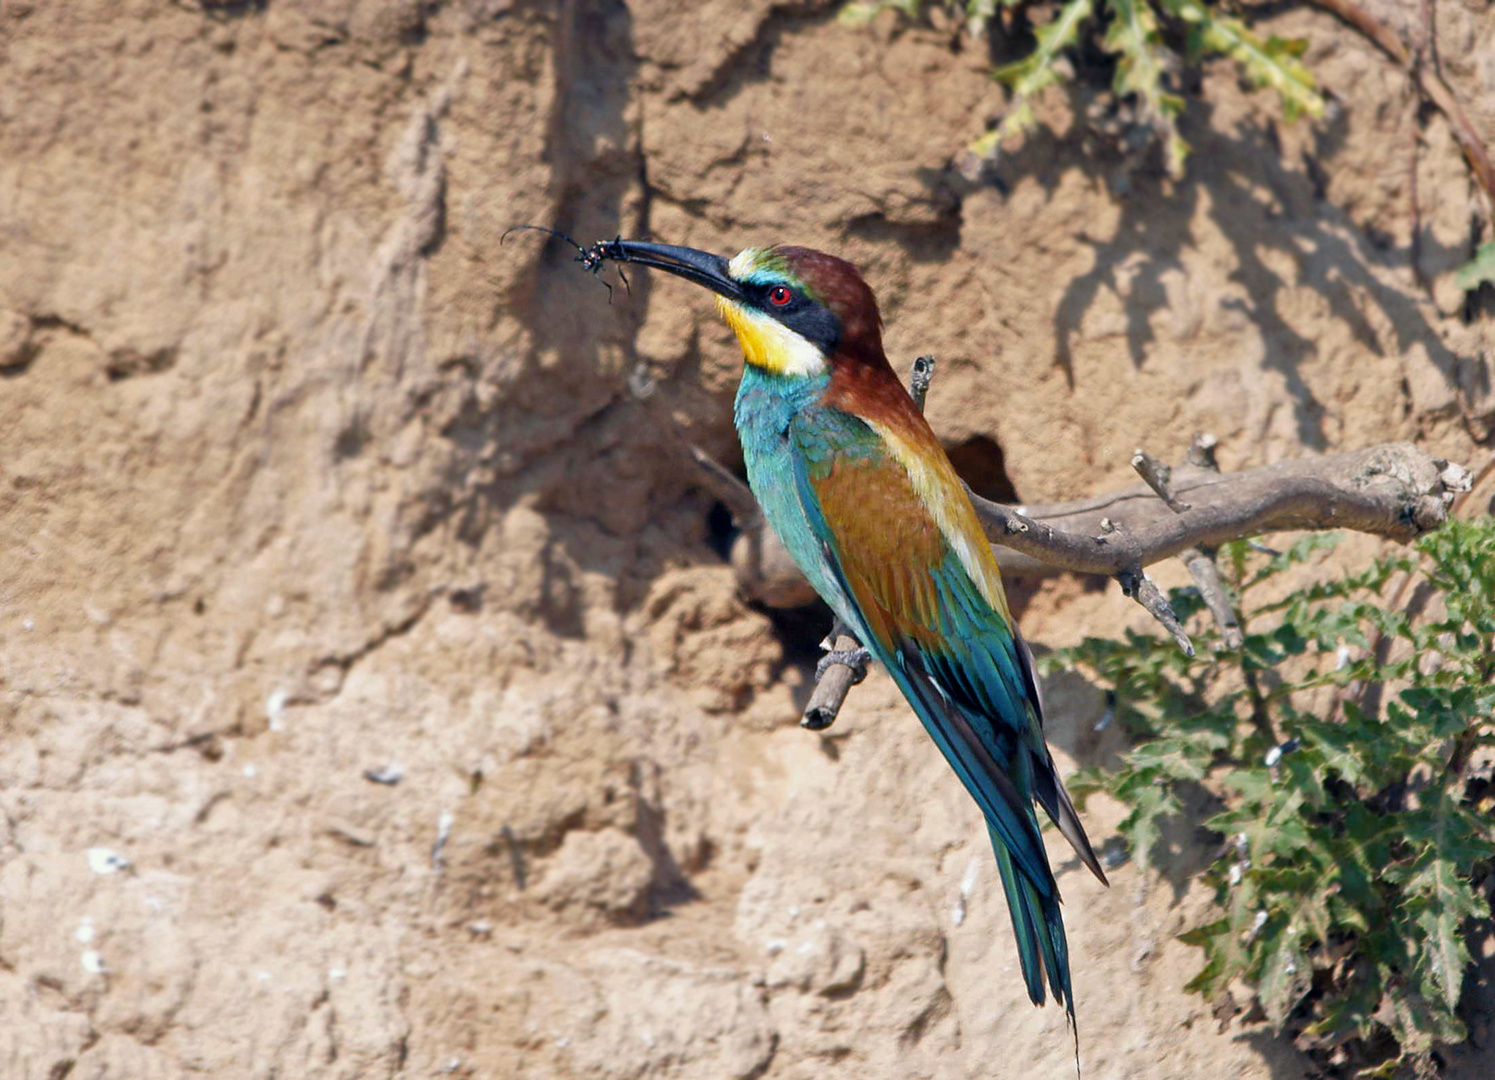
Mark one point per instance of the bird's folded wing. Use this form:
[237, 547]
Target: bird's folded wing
[953, 652]
[916, 615]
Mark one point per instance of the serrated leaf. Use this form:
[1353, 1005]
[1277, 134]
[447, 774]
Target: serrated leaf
[1035, 71]
[1134, 39]
[1140, 827]
[1272, 63]
[1285, 973]
[1353, 842]
[1450, 841]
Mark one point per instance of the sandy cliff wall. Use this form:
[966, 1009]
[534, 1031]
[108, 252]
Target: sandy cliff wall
[303, 473]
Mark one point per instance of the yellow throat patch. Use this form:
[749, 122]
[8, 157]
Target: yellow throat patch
[767, 343]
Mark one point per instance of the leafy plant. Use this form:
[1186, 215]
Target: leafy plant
[1151, 41]
[1481, 269]
[1341, 744]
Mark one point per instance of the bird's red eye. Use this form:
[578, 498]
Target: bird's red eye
[779, 295]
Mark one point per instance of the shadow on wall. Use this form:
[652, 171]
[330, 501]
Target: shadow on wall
[1263, 208]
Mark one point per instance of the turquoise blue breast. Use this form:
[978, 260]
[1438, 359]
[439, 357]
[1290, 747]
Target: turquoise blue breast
[766, 405]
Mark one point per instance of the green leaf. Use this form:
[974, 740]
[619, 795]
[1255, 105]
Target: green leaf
[1285, 972]
[1133, 37]
[1473, 274]
[1273, 63]
[1360, 852]
[1140, 827]
[1035, 71]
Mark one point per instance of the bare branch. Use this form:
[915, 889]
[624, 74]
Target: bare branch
[1140, 587]
[1430, 82]
[1200, 561]
[1394, 490]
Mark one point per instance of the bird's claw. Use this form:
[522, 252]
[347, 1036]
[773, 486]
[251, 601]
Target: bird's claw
[857, 659]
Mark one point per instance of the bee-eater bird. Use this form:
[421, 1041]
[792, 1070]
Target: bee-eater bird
[855, 483]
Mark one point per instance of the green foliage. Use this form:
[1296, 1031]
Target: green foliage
[1473, 274]
[1151, 41]
[1337, 747]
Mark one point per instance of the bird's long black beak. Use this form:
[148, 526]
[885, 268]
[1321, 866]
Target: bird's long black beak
[699, 266]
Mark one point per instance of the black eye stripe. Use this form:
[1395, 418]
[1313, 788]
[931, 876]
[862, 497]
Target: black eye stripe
[806, 317]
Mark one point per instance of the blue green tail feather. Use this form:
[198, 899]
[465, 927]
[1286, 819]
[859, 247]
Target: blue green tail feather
[1038, 929]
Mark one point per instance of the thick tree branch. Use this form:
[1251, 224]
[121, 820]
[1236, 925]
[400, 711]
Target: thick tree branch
[1394, 490]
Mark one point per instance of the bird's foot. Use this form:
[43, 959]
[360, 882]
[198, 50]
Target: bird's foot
[856, 659]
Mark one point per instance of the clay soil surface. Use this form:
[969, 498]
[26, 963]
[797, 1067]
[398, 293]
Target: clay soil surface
[333, 529]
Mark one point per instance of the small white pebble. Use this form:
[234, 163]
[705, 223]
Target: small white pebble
[561, 1044]
[775, 946]
[390, 774]
[28, 624]
[337, 973]
[1235, 873]
[92, 962]
[102, 860]
[262, 976]
[156, 904]
[250, 772]
[482, 928]
[275, 708]
[794, 911]
[84, 933]
[648, 1039]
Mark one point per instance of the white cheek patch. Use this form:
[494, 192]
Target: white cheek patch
[769, 344]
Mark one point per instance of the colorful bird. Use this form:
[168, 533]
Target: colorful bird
[856, 485]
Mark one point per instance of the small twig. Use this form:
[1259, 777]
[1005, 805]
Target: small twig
[1200, 561]
[1430, 82]
[832, 687]
[1202, 452]
[735, 495]
[1157, 475]
[920, 378]
[1212, 590]
[1140, 587]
